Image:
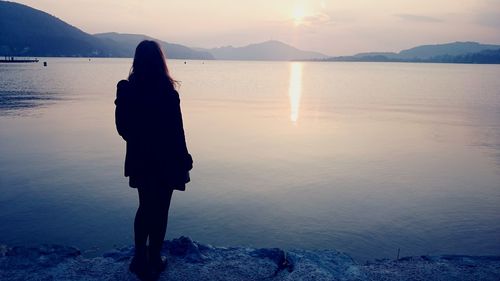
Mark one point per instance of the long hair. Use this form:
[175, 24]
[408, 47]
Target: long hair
[149, 65]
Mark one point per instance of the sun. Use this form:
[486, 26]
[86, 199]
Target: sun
[298, 15]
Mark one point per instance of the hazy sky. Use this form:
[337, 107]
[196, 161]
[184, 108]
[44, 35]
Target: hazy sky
[334, 27]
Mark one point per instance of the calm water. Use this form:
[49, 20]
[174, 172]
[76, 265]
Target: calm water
[362, 157]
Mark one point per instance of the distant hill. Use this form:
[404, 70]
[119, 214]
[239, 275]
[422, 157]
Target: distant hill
[269, 50]
[25, 31]
[174, 51]
[449, 49]
[457, 52]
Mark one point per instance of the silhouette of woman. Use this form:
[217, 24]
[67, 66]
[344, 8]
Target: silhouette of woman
[148, 117]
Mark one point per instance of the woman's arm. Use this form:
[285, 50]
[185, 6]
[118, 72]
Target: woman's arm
[188, 160]
[122, 111]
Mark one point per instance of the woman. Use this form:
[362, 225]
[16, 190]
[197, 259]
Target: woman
[148, 117]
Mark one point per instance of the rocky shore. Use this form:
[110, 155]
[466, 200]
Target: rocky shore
[190, 260]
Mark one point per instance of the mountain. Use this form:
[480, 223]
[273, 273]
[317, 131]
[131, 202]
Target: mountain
[457, 52]
[174, 51]
[450, 49]
[25, 31]
[269, 50]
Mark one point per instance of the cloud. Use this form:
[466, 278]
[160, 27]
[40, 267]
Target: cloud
[320, 19]
[316, 19]
[417, 18]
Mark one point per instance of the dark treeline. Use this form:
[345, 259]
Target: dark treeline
[483, 57]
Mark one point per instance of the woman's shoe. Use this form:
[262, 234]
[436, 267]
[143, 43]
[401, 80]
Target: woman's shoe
[139, 265]
[158, 264]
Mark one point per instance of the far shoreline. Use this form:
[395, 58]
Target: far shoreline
[20, 59]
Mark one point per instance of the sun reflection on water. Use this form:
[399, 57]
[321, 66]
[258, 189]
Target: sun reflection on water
[295, 90]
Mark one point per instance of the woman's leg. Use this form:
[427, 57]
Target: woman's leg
[142, 218]
[159, 228]
[142, 229]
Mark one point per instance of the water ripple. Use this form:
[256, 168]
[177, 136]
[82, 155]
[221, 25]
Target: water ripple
[13, 101]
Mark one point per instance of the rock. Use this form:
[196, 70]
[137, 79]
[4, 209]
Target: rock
[277, 255]
[323, 265]
[190, 260]
[186, 248]
[3, 250]
[449, 267]
[43, 256]
[120, 254]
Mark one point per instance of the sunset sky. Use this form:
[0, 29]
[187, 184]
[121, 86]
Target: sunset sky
[333, 27]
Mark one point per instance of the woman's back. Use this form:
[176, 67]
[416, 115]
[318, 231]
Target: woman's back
[149, 118]
[153, 111]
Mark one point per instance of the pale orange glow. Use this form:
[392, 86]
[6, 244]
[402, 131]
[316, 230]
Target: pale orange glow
[298, 15]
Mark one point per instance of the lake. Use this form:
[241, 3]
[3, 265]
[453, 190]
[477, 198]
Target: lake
[365, 158]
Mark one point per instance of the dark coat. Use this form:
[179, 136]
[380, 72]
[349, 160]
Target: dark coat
[149, 119]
